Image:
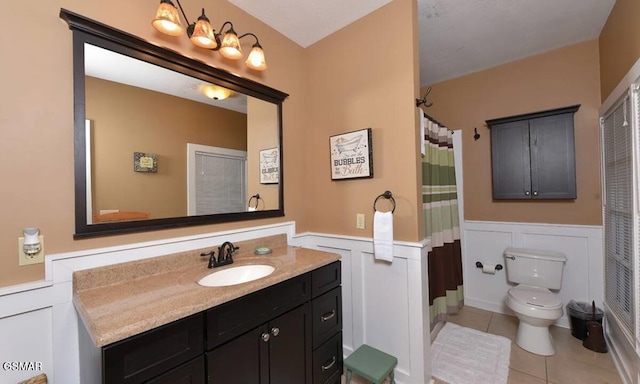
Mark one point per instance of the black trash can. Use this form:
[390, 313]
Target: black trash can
[579, 313]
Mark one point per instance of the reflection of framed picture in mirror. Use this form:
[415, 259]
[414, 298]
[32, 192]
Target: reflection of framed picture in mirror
[351, 155]
[269, 166]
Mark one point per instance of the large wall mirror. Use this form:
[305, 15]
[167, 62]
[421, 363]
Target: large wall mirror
[165, 141]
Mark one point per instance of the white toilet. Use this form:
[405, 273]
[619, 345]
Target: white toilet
[535, 272]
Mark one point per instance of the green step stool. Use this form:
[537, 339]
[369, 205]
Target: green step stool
[370, 363]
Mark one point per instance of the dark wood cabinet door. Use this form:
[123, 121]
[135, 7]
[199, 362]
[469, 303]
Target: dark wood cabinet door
[510, 160]
[145, 356]
[188, 373]
[290, 346]
[240, 361]
[553, 168]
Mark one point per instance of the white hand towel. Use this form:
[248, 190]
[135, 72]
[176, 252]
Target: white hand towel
[251, 209]
[383, 236]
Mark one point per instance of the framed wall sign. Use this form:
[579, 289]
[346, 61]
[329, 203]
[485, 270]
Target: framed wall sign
[351, 155]
[269, 166]
[145, 162]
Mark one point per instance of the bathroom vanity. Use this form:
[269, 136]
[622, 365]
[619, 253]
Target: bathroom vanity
[150, 321]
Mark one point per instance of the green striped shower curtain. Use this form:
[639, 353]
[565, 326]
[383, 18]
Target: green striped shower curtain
[440, 205]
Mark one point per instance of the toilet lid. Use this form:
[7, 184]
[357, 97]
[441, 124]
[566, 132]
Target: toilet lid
[536, 296]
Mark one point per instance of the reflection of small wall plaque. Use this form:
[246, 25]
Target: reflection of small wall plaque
[145, 162]
[269, 166]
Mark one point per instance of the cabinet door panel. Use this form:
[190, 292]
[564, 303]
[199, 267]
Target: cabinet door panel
[188, 373]
[289, 347]
[240, 361]
[553, 169]
[149, 354]
[229, 320]
[510, 160]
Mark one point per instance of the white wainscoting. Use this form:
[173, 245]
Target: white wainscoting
[583, 278]
[385, 305]
[38, 321]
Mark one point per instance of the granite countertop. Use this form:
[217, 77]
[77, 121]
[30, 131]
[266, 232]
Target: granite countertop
[122, 300]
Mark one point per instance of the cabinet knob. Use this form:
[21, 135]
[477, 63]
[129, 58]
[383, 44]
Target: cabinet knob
[265, 337]
[527, 193]
[535, 193]
[275, 331]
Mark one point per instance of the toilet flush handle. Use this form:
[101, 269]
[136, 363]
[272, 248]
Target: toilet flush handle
[511, 257]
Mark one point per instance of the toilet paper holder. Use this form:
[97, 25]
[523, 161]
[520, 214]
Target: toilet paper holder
[479, 265]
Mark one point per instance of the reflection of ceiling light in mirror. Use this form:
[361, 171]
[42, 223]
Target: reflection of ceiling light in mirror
[214, 92]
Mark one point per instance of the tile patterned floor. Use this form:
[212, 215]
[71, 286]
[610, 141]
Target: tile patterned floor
[572, 363]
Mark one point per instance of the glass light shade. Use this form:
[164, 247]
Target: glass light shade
[167, 19]
[203, 35]
[214, 92]
[230, 47]
[256, 59]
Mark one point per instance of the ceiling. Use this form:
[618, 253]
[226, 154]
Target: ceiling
[457, 37]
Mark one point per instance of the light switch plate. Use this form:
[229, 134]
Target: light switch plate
[24, 259]
[360, 220]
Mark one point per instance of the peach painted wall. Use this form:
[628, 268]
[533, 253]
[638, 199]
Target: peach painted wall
[555, 79]
[355, 79]
[125, 119]
[36, 114]
[619, 44]
[364, 77]
[263, 134]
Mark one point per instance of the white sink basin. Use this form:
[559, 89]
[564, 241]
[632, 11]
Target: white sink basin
[236, 275]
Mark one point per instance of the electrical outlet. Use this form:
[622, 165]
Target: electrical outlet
[360, 220]
[24, 259]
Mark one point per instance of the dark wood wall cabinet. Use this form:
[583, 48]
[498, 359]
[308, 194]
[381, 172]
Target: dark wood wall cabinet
[533, 155]
[290, 332]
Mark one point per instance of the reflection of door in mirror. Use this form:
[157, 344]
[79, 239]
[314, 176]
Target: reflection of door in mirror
[216, 180]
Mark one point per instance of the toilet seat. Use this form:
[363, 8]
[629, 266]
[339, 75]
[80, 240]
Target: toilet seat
[534, 302]
[538, 297]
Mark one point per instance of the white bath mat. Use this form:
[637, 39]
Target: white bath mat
[462, 355]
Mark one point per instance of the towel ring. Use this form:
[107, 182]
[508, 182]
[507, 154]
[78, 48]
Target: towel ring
[257, 197]
[387, 195]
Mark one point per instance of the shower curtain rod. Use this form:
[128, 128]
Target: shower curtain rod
[436, 121]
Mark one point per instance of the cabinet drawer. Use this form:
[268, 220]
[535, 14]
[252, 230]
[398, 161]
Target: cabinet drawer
[232, 319]
[325, 278]
[149, 354]
[327, 316]
[327, 360]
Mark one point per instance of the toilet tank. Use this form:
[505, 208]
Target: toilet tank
[534, 267]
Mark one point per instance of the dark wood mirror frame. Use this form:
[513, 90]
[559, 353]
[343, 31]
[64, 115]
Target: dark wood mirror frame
[89, 31]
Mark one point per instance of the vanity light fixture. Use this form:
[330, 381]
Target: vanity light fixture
[203, 35]
[215, 92]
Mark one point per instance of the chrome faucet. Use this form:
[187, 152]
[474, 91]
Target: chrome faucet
[225, 252]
